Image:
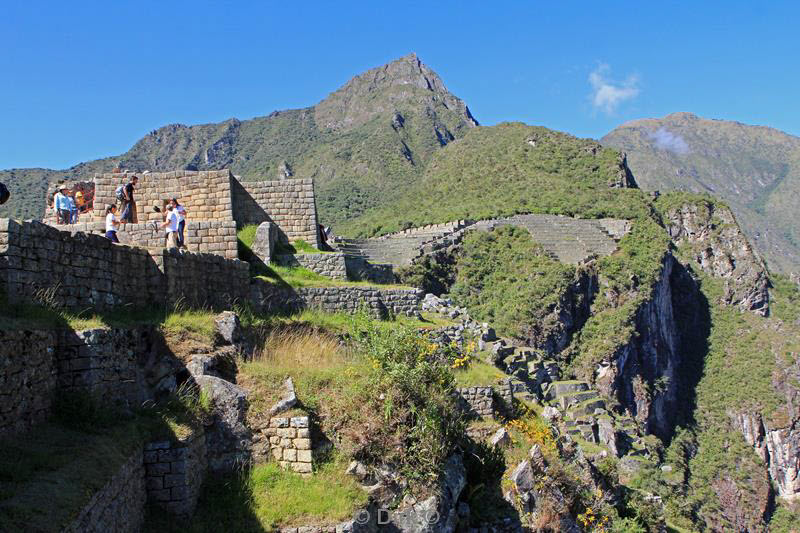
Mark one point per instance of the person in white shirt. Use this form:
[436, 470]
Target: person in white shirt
[181, 221]
[112, 223]
[171, 225]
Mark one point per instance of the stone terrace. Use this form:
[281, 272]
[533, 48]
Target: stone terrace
[570, 240]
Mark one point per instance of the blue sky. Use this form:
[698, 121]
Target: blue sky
[81, 80]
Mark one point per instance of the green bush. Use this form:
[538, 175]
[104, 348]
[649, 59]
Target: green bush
[505, 278]
[411, 391]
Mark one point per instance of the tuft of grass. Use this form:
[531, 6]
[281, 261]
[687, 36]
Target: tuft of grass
[194, 321]
[478, 373]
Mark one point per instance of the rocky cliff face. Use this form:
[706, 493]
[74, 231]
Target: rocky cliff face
[643, 374]
[778, 447]
[720, 248]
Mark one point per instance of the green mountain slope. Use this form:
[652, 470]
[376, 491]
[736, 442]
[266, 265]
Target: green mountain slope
[507, 169]
[361, 144]
[755, 169]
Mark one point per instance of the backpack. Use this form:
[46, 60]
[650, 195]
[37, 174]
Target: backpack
[4, 194]
[120, 192]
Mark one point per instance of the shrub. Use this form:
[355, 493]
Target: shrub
[505, 278]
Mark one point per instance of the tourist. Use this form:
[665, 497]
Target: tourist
[80, 203]
[61, 206]
[73, 208]
[112, 223]
[171, 225]
[181, 221]
[128, 201]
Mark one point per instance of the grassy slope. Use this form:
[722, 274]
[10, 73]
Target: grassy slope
[494, 171]
[755, 169]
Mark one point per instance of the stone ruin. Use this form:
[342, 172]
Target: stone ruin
[216, 203]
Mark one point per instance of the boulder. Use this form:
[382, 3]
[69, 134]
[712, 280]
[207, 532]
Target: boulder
[228, 439]
[227, 329]
[438, 513]
[264, 242]
[501, 438]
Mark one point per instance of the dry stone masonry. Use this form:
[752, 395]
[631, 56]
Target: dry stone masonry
[28, 375]
[376, 301]
[215, 201]
[78, 271]
[290, 204]
[290, 442]
[206, 194]
[118, 506]
[175, 471]
[329, 265]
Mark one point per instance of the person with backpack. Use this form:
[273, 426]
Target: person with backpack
[125, 196]
[112, 223]
[181, 211]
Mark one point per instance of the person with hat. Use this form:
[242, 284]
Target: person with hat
[61, 205]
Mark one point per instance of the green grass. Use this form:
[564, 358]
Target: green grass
[494, 171]
[268, 497]
[478, 373]
[299, 277]
[297, 247]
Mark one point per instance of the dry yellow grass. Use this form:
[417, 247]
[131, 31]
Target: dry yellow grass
[295, 348]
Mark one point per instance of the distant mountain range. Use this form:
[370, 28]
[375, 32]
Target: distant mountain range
[369, 145]
[755, 169]
[361, 144]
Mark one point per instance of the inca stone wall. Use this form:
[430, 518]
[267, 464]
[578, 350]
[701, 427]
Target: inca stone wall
[329, 265]
[477, 401]
[80, 271]
[175, 472]
[377, 302]
[27, 378]
[288, 203]
[118, 506]
[486, 401]
[215, 236]
[290, 442]
[125, 367]
[206, 194]
[204, 280]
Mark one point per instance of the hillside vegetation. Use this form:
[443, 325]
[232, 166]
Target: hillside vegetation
[507, 169]
[753, 168]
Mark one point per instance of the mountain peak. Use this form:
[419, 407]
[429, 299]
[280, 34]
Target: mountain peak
[387, 88]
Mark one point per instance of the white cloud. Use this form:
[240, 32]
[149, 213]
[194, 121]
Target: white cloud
[607, 95]
[666, 140]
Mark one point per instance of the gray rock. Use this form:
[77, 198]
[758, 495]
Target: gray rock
[264, 242]
[287, 402]
[438, 513]
[501, 438]
[228, 439]
[227, 329]
[522, 477]
[551, 413]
